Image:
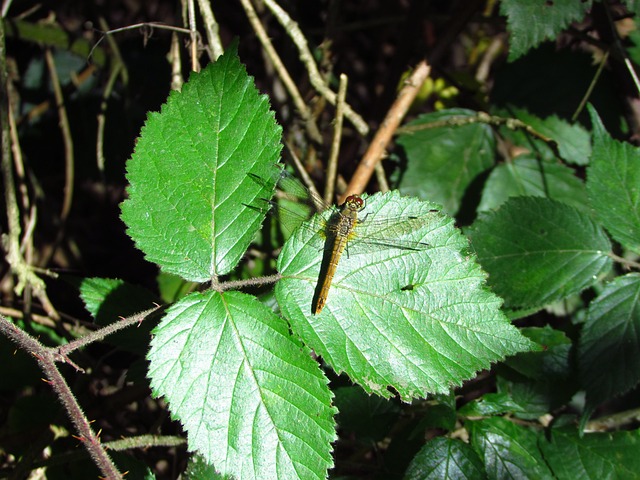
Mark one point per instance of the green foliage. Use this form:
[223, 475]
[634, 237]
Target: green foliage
[412, 321]
[445, 458]
[532, 22]
[444, 161]
[508, 450]
[613, 184]
[572, 140]
[234, 376]
[607, 455]
[530, 176]
[414, 357]
[188, 178]
[609, 350]
[229, 368]
[538, 250]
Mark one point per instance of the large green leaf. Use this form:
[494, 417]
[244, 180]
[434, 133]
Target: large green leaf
[443, 161]
[418, 320]
[253, 401]
[188, 176]
[572, 455]
[508, 450]
[609, 351]
[537, 250]
[613, 183]
[530, 22]
[445, 458]
[527, 176]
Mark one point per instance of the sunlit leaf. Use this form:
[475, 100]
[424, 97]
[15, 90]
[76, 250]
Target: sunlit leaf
[252, 400]
[419, 321]
[188, 176]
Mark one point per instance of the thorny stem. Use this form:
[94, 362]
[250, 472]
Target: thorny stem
[99, 335]
[46, 358]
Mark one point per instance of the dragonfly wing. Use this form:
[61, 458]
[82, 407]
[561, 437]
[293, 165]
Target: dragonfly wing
[391, 233]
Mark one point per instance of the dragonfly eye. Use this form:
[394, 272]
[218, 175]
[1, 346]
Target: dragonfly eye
[355, 202]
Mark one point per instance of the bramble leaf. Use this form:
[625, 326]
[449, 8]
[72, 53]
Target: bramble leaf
[419, 321]
[189, 189]
[530, 23]
[538, 250]
[613, 183]
[609, 348]
[443, 161]
[573, 455]
[253, 401]
[527, 176]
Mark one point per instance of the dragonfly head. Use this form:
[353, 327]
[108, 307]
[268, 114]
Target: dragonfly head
[354, 202]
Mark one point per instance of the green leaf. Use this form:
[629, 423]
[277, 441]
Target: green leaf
[527, 176]
[538, 250]
[543, 380]
[633, 6]
[613, 183]
[552, 361]
[532, 22]
[188, 176]
[253, 401]
[108, 299]
[573, 140]
[508, 450]
[444, 458]
[369, 417]
[609, 349]
[571, 455]
[417, 320]
[490, 404]
[443, 161]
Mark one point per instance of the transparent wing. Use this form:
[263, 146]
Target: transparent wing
[295, 204]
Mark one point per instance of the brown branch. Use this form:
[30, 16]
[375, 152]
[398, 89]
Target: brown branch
[378, 145]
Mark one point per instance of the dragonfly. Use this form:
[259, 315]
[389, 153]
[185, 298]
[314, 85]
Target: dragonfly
[346, 228]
